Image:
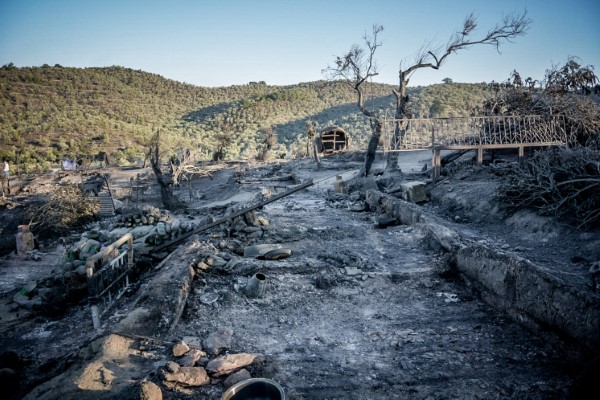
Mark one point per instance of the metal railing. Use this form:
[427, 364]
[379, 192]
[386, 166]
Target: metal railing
[427, 133]
[108, 276]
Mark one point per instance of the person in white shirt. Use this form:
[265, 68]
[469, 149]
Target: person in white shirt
[5, 177]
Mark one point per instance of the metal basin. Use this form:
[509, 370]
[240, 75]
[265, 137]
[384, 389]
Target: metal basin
[255, 389]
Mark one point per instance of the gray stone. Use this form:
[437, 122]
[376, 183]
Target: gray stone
[217, 341]
[414, 191]
[160, 229]
[116, 234]
[82, 270]
[352, 271]
[193, 341]
[141, 231]
[358, 206]
[89, 248]
[236, 377]
[191, 358]
[216, 262]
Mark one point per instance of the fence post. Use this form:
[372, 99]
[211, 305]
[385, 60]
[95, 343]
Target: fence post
[89, 269]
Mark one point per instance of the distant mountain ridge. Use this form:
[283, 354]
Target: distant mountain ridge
[47, 113]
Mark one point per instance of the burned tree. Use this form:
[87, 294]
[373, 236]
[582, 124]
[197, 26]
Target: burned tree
[269, 142]
[179, 168]
[164, 179]
[359, 65]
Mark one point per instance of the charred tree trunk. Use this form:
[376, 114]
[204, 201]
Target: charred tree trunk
[399, 131]
[376, 128]
[164, 180]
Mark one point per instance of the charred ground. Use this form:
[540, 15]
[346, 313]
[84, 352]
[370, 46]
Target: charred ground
[357, 311]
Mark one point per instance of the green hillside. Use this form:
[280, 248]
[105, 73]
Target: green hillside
[48, 113]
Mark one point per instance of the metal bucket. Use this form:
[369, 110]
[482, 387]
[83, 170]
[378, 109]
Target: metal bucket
[255, 389]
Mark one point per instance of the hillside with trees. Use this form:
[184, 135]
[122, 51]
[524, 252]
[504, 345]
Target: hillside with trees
[50, 113]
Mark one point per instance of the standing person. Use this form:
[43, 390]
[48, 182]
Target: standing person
[5, 177]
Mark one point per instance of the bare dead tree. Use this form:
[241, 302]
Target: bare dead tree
[359, 65]
[356, 67]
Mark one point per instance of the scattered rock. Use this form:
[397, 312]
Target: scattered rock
[263, 221]
[236, 377]
[217, 341]
[223, 365]
[191, 358]
[193, 341]
[150, 391]
[352, 271]
[189, 376]
[180, 349]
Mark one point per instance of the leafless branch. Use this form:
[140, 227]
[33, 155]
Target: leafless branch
[511, 27]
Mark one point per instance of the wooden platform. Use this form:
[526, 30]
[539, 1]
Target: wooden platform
[436, 157]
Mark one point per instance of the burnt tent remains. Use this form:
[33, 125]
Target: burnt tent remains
[332, 139]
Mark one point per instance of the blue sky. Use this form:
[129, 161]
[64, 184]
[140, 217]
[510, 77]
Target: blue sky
[226, 42]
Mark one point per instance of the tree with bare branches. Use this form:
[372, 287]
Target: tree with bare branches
[178, 168]
[358, 66]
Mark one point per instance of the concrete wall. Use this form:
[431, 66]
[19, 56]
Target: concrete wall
[527, 292]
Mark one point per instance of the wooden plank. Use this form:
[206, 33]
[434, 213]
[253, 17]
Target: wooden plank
[500, 146]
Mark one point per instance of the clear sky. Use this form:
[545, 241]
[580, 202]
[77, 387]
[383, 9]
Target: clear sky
[226, 42]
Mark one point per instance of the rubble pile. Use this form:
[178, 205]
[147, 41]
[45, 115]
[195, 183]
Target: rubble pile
[248, 227]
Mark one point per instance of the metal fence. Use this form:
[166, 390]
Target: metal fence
[427, 133]
[108, 276]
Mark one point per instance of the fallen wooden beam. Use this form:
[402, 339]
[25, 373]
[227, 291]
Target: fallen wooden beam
[231, 216]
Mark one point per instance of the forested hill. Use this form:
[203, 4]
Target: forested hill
[47, 113]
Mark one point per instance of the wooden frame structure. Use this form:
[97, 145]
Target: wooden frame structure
[474, 133]
[108, 276]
